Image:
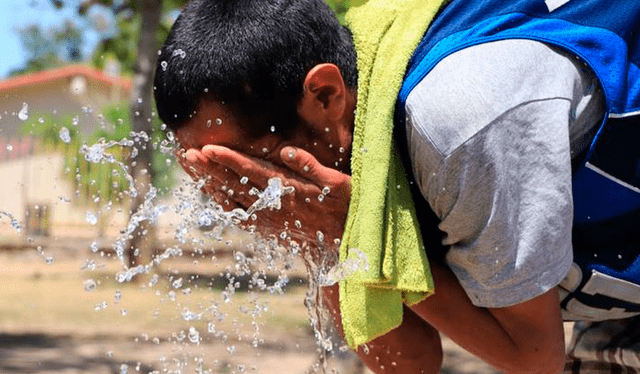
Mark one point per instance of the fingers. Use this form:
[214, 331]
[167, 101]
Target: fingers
[305, 164]
[256, 170]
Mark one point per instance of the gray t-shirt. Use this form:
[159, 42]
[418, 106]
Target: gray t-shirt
[492, 130]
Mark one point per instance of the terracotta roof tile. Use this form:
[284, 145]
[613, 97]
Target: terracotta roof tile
[65, 72]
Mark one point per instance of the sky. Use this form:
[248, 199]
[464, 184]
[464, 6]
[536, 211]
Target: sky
[22, 13]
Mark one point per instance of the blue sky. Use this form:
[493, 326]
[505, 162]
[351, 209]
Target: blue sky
[21, 13]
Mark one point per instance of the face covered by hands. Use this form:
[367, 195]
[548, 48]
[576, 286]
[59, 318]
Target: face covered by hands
[312, 213]
[312, 162]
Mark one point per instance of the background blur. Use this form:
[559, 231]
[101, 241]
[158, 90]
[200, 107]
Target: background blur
[75, 80]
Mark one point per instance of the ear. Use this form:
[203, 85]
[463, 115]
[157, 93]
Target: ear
[324, 95]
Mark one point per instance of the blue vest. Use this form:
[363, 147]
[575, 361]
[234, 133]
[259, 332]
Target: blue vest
[605, 35]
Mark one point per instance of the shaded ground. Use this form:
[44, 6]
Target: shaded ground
[50, 324]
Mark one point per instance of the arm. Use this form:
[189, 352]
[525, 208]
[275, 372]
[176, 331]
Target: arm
[527, 337]
[413, 347]
[524, 338]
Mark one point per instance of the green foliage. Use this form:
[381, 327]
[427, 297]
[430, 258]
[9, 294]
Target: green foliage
[161, 162]
[49, 48]
[93, 182]
[123, 45]
[103, 182]
[340, 7]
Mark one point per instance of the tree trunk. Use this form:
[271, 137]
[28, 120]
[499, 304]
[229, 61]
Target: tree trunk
[142, 240]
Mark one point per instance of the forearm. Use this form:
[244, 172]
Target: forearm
[526, 338]
[412, 347]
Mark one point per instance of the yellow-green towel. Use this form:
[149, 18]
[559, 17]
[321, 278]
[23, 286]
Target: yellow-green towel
[382, 222]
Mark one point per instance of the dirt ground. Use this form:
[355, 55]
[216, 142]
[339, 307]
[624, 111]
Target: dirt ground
[50, 323]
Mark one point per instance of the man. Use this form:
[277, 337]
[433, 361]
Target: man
[497, 106]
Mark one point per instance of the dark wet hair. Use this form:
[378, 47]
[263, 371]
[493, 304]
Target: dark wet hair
[252, 55]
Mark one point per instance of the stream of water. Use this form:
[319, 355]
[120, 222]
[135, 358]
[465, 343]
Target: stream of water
[266, 255]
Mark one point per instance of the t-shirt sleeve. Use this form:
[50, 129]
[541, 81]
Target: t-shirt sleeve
[489, 138]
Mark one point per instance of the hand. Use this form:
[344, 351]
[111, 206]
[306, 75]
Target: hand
[319, 202]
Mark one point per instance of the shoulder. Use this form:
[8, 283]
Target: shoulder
[470, 88]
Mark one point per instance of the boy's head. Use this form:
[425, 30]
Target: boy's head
[250, 55]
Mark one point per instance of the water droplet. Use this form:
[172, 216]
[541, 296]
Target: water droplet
[91, 218]
[305, 169]
[326, 190]
[231, 349]
[273, 129]
[188, 315]
[194, 335]
[320, 236]
[341, 149]
[244, 180]
[117, 296]
[88, 265]
[265, 150]
[297, 224]
[139, 100]
[154, 280]
[321, 198]
[124, 368]
[89, 285]
[364, 149]
[208, 123]
[24, 112]
[64, 135]
[41, 120]
[326, 129]
[177, 283]
[218, 121]
[48, 260]
[100, 306]
[9, 147]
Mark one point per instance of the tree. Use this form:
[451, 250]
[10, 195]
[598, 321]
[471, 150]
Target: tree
[140, 58]
[50, 48]
[141, 62]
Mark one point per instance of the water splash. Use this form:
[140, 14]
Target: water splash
[251, 262]
[356, 261]
[97, 153]
[270, 197]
